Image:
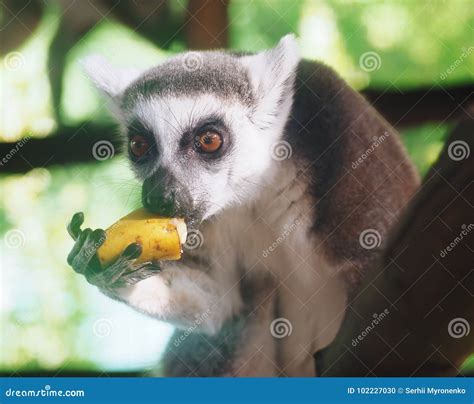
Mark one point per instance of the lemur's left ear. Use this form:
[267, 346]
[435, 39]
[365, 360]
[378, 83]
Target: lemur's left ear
[272, 73]
[110, 80]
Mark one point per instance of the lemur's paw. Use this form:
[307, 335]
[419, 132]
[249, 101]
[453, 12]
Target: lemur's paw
[83, 259]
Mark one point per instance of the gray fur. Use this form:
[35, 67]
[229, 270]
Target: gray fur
[217, 73]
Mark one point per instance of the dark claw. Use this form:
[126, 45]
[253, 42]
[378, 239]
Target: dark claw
[133, 251]
[74, 226]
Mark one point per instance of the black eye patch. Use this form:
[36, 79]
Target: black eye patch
[190, 143]
[136, 130]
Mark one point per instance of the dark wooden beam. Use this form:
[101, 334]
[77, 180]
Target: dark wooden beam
[71, 145]
[404, 108]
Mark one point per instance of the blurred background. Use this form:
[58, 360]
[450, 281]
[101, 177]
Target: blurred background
[59, 153]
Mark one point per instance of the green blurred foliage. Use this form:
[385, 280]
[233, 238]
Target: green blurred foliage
[50, 317]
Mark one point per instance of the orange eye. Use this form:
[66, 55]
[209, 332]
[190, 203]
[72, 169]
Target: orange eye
[209, 142]
[139, 145]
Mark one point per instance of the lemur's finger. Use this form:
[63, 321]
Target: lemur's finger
[110, 276]
[132, 251]
[76, 249]
[82, 257]
[74, 226]
[98, 237]
[107, 277]
[144, 271]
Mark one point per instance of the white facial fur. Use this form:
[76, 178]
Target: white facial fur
[253, 128]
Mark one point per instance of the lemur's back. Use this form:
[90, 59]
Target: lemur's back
[362, 175]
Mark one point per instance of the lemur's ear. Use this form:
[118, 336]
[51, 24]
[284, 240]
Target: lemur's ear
[110, 80]
[272, 73]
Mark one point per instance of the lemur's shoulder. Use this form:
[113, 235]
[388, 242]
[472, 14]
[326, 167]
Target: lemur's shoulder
[361, 176]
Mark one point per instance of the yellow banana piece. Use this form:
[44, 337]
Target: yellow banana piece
[160, 237]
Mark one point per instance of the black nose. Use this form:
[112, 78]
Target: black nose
[157, 199]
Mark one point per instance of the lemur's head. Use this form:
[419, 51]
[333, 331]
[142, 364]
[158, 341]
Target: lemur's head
[200, 126]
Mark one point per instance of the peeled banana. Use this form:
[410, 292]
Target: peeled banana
[160, 237]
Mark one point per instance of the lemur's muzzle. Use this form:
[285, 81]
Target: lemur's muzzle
[161, 194]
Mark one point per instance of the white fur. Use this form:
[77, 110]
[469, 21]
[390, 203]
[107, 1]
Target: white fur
[251, 155]
[110, 80]
[312, 295]
[269, 72]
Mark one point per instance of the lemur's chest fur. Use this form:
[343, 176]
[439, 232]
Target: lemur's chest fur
[266, 254]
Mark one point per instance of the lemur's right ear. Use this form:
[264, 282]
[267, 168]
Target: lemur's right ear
[272, 73]
[109, 80]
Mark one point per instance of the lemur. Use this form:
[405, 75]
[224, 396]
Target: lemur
[281, 169]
